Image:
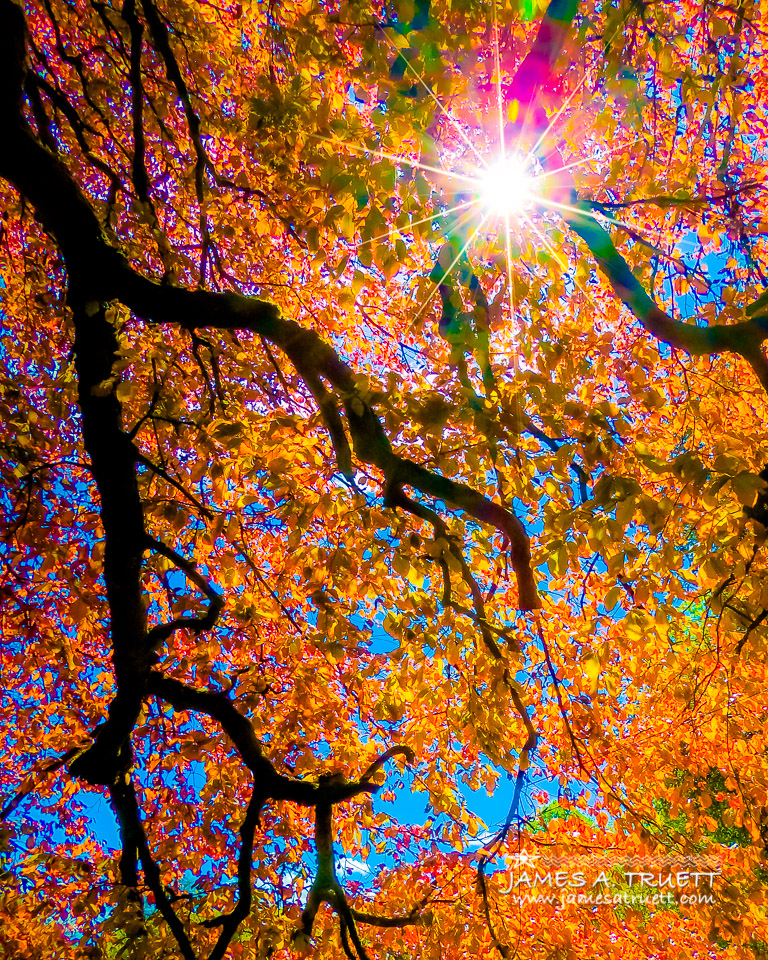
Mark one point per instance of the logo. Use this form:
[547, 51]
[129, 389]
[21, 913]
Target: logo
[601, 880]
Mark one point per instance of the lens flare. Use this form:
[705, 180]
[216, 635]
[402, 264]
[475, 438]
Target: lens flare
[506, 187]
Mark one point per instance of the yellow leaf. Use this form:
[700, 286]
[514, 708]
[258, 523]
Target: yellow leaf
[125, 390]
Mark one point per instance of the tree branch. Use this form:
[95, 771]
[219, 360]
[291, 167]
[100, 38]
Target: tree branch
[326, 887]
[138, 166]
[113, 468]
[668, 201]
[375, 920]
[25, 791]
[231, 921]
[743, 338]
[146, 462]
[271, 784]
[127, 808]
[103, 271]
[161, 632]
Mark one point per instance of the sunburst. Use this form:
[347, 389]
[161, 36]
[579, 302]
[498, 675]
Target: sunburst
[507, 186]
[485, 176]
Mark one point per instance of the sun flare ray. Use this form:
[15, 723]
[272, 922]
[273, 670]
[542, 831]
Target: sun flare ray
[543, 238]
[511, 292]
[585, 160]
[568, 208]
[459, 129]
[415, 164]
[498, 77]
[559, 112]
[563, 266]
[561, 109]
[416, 223]
[453, 263]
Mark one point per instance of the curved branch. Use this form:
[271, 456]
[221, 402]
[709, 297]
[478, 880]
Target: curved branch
[127, 808]
[554, 445]
[231, 921]
[400, 750]
[271, 784]
[413, 918]
[101, 273]
[29, 784]
[268, 784]
[487, 630]
[146, 462]
[161, 632]
[744, 338]
[326, 887]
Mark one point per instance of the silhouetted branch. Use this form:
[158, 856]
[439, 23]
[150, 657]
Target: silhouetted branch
[743, 338]
[231, 921]
[375, 920]
[326, 887]
[201, 508]
[106, 274]
[127, 808]
[49, 767]
[271, 784]
[397, 751]
[161, 632]
[668, 201]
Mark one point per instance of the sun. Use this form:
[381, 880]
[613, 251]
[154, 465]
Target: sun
[506, 186]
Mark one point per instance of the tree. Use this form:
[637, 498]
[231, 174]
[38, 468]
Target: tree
[383, 403]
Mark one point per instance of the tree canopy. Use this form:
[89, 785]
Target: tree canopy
[384, 473]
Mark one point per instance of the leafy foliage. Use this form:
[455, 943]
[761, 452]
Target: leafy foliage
[326, 480]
